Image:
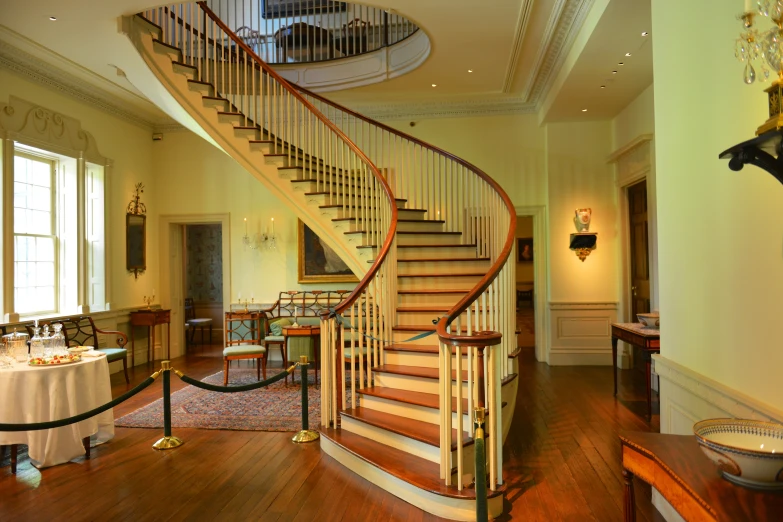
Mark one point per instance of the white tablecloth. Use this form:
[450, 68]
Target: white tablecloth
[37, 394]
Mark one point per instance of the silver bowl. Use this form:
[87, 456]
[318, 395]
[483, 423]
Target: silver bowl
[651, 320]
[747, 452]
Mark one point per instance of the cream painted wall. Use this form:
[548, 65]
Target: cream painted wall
[509, 149]
[636, 119]
[580, 177]
[130, 148]
[524, 229]
[200, 179]
[720, 232]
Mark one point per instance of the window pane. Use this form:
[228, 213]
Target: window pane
[20, 168]
[20, 253]
[44, 249]
[44, 298]
[42, 174]
[20, 194]
[40, 198]
[44, 274]
[39, 222]
[20, 221]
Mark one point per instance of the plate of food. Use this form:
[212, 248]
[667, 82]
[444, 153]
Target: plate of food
[56, 360]
[79, 349]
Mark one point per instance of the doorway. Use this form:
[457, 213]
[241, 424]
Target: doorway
[525, 283]
[638, 228]
[202, 269]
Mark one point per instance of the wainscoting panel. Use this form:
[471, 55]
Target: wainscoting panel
[581, 333]
[687, 397]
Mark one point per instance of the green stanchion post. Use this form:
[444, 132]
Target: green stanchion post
[482, 514]
[168, 441]
[306, 434]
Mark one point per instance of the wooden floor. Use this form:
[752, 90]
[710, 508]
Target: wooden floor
[562, 462]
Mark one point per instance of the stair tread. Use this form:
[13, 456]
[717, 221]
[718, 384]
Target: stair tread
[453, 245]
[458, 274]
[437, 259]
[417, 371]
[428, 400]
[418, 472]
[431, 233]
[421, 431]
[414, 348]
[433, 292]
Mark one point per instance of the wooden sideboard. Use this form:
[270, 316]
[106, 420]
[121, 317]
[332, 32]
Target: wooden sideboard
[689, 481]
[150, 319]
[647, 339]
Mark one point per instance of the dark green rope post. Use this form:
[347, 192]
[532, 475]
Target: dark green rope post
[481, 467]
[306, 435]
[168, 441]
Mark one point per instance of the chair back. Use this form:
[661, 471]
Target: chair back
[243, 328]
[78, 331]
[190, 308]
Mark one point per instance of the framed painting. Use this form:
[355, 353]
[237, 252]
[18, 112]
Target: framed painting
[524, 250]
[318, 263]
[290, 8]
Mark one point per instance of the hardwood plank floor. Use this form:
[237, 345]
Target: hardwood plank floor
[562, 462]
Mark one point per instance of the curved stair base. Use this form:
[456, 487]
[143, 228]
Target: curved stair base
[439, 505]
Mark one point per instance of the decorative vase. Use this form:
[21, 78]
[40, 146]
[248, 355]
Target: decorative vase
[582, 219]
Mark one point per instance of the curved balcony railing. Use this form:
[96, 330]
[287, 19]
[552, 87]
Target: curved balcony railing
[301, 31]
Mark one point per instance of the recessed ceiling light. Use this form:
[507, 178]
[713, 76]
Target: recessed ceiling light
[621, 63]
[614, 72]
[470, 70]
[627, 54]
[603, 86]
[645, 33]
[434, 85]
[584, 110]
[53, 18]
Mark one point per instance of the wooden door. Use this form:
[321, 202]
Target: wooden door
[640, 266]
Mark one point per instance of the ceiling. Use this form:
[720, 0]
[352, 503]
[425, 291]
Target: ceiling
[517, 49]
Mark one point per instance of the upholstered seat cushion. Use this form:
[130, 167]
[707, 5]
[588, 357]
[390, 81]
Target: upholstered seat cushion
[200, 321]
[114, 354]
[244, 349]
[274, 338]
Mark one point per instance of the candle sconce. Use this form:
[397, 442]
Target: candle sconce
[149, 300]
[583, 241]
[266, 240]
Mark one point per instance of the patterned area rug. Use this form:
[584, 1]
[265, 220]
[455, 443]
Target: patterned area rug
[277, 407]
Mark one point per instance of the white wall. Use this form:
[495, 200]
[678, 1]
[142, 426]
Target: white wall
[636, 119]
[720, 232]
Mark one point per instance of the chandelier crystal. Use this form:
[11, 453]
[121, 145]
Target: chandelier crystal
[761, 47]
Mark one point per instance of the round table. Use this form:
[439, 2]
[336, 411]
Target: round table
[38, 394]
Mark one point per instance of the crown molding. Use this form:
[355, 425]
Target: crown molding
[451, 109]
[563, 26]
[519, 39]
[43, 73]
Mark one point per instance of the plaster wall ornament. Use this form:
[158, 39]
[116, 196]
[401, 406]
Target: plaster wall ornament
[35, 125]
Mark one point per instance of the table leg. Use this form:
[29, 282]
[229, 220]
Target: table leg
[629, 502]
[86, 444]
[316, 349]
[151, 345]
[168, 340]
[133, 350]
[647, 370]
[614, 362]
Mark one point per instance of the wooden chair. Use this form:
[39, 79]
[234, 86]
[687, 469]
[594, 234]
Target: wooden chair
[192, 322]
[302, 37]
[244, 341]
[353, 38]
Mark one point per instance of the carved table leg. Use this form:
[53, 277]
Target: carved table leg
[629, 502]
[86, 444]
[648, 370]
[614, 362]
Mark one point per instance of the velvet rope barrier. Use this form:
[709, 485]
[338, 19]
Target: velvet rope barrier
[82, 416]
[234, 389]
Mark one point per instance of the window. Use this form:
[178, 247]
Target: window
[59, 264]
[35, 237]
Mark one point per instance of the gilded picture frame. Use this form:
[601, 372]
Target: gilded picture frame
[317, 262]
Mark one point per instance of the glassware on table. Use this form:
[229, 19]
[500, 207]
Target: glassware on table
[16, 345]
[46, 340]
[36, 343]
[58, 340]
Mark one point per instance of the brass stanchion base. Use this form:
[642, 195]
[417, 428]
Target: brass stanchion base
[305, 436]
[168, 443]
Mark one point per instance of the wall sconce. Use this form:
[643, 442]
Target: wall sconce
[583, 242]
[261, 240]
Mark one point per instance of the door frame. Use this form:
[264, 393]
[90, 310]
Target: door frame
[171, 266]
[540, 281]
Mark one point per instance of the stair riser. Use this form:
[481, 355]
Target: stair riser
[401, 442]
[411, 411]
[264, 148]
[234, 119]
[436, 283]
[424, 360]
[250, 134]
[320, 186]
[220, 105]
[417, 384]
[427, 239]
[429, 299]
[173, 54]
[429, 252]
[201, 88]
[412, 318]
[405, 213]
[444, 266]
[404, 338]
[420, 226]
[189, 72]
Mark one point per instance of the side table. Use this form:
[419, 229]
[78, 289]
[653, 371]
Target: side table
[150, 319]
[313, 332]
[648, 339]
[689, 481]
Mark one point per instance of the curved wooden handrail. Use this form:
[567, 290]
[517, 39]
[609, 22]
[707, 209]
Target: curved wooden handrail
[362, 286]
[482, 285]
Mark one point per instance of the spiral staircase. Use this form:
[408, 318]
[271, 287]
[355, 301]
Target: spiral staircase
[429, 234]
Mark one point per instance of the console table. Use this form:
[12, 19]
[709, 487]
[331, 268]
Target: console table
[150, 319]
[689, 481]
[648, 339]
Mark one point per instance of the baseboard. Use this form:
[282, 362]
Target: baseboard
[579, 358]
